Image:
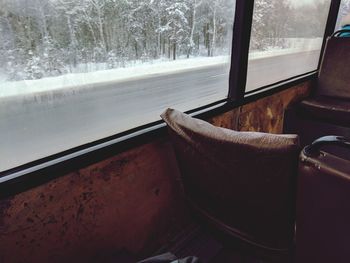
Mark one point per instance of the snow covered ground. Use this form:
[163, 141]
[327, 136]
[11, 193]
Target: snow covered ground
[295, 45]
[81, 80]
[73, 83]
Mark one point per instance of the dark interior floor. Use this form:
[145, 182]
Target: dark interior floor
[197, 241]
[211, 249]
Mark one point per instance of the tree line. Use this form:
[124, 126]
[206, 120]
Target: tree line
[276, 20]
[41, 38]
[56, 35]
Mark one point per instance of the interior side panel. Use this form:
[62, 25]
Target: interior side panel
[130, 203]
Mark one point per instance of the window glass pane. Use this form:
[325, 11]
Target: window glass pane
[344, 9]
[75, 71]
[286, 39]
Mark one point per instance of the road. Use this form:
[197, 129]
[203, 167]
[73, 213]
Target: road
[35, 127]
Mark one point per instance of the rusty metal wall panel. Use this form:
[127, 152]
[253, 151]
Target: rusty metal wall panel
[266, 115]
[124, 203]
[132, 202]
[227, 120]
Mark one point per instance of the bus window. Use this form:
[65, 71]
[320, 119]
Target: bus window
[286, 40]
[74, 72]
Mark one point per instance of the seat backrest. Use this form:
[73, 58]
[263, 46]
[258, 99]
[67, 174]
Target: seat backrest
[323, 208]
[334, 75]
[244, 180]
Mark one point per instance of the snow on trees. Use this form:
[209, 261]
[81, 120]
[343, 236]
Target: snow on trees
[176, 27]
[42, 38]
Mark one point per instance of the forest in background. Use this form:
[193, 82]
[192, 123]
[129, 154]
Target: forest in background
[43, 38]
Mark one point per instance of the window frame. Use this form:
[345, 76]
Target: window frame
[29, 175]
[240, 49]
[329, 29]
[330, 26]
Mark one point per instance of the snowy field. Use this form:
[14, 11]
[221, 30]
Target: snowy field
[85, 80]
[295, 45]
[74, 83]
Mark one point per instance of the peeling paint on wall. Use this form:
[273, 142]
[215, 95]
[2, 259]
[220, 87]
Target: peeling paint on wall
[266, 115]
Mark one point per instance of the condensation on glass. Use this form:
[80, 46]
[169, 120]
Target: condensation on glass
[73, 72]
[286, 40]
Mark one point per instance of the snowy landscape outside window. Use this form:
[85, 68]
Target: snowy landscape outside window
[344, 9]
[286, 39]
[75, 71]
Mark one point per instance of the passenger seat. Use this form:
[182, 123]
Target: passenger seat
[328, 110]
[323, 207]
[241, 184]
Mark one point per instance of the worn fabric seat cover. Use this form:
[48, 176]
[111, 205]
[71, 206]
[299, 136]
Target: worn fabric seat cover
[334, 75]
[241, 182]
[325, 108]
